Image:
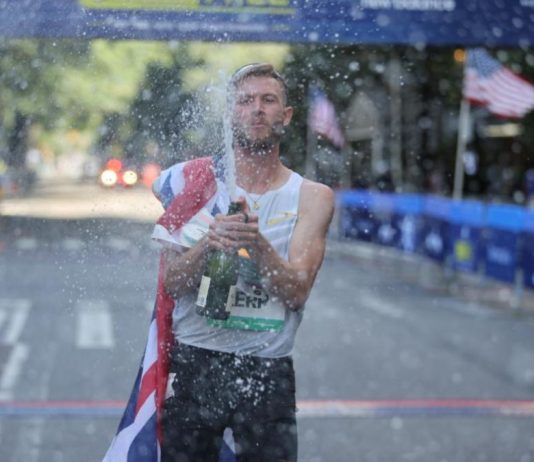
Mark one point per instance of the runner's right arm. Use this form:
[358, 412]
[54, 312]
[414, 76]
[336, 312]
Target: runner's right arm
[184, 270]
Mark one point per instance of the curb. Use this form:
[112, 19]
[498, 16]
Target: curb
[473, 288]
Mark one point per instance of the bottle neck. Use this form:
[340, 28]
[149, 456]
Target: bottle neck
[235, 207]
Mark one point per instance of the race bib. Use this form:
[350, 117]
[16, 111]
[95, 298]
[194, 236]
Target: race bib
[251, 307]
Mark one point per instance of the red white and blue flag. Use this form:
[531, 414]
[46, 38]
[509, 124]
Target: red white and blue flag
[322, 117]
[488, 83]
[184, 190]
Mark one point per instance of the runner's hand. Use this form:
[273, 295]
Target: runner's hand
[232, 232]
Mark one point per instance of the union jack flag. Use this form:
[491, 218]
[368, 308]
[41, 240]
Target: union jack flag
[322, 117]
[488, 83]
[184, 190]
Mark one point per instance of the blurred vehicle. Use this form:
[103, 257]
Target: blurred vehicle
[115, 173]
[91, 169]
[16, 181]
[149, 173]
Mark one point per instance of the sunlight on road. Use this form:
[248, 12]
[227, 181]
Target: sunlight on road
[70, 200]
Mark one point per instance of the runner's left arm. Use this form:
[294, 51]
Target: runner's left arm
[291, 281]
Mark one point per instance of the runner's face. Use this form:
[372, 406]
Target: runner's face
[260, 114]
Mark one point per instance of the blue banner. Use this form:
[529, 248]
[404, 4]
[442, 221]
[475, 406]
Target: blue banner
[528, 259]
[417, 22]
[466, 222]
[407, 220]
[504, 222]
[435, 231]
[356, 217]
[465, 248]
[527, 250]
[501, 254]
[383, 208]
[467, 235]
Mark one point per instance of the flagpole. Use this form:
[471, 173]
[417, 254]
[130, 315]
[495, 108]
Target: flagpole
[395, 107]
[346, 169]
[463, 130]
[311, 144]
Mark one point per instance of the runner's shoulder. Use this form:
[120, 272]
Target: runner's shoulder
[313, 191]
[316, 198]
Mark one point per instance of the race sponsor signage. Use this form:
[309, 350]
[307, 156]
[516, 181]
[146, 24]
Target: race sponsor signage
[527, 250]
[466, 222]
[417, 22]
[504, 223]
[435, 228]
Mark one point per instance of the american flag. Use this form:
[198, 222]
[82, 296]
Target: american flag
[488, 83]
[185, 189]
[322, 117]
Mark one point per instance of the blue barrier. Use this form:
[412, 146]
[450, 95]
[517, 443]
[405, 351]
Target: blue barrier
[382, 207]
[465, 232]
[435, 233]
[356, 220]
[407, 219]
[527, 250]
[503, 226]
[467, 235]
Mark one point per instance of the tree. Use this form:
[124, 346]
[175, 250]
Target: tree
[30, 71]
[65, 85]
[163, 111]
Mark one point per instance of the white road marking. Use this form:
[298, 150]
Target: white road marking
[117, 243]
[13, 316]
[94, 328]
[11, 370]
[368, 300]
[16, 313]
[72, 244]
[26, 243]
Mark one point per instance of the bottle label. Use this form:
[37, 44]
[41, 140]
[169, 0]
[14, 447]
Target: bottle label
[251, 309]
[230, 302]
[203, 291]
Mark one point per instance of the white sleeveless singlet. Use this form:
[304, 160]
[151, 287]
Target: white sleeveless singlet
[258, 324]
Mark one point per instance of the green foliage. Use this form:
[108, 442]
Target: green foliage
[162, 110]
[221, 60]
[431, 92]
[70, 85]
[30, 71]
[107, 81]
[166, 98]
[121, 94]
[178, 105]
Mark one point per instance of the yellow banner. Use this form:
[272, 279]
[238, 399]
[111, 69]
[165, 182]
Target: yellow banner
[204, 6]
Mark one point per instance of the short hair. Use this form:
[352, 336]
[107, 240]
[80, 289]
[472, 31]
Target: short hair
[257, 70]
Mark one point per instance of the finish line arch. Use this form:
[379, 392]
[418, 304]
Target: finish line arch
[492, 23]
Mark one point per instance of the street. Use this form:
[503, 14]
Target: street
[386, 370]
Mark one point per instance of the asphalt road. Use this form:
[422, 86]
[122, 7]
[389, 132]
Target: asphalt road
[386, 370]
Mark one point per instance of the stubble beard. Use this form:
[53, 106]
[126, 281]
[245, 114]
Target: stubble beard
[259, 146]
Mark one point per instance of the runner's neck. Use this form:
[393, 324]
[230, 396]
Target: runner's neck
[258, 175]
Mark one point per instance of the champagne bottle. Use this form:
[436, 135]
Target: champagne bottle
[217, 287]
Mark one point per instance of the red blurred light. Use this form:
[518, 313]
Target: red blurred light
[114, 164]
[150, 173]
